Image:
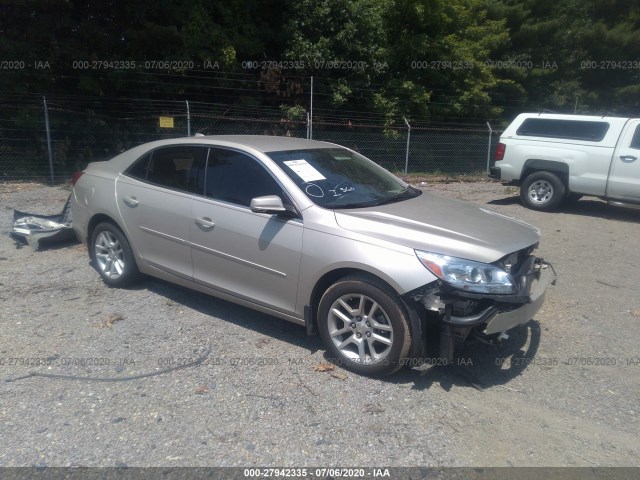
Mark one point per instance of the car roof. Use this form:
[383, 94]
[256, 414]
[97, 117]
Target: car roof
[266, 143]
[259, 143]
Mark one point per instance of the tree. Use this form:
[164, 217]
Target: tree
[571, 55]
[442, 46]
[404, 57]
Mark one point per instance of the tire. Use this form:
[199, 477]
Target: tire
[364, 326]
[112, 256]
[542, 191]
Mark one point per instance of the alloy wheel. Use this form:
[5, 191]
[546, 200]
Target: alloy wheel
[109, 255]
[360, 329]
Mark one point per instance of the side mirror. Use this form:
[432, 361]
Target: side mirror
[268, 204]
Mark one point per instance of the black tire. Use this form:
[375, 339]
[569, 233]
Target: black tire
[112, 256]
[381, 332]
[542, 191]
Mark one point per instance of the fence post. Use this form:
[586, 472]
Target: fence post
[489, 148]
[188, 119]
[46, 124]
[311, 114]
[406, 159]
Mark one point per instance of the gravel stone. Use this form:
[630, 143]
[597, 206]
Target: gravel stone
[551, 395]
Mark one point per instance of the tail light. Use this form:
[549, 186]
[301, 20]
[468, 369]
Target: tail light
[500, 151]
[75, 177]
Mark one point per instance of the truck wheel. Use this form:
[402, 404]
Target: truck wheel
[542, 191]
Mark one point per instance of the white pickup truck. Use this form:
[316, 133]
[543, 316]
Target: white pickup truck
[553, 157]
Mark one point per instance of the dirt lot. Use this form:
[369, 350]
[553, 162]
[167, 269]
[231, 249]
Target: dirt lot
[563, 390]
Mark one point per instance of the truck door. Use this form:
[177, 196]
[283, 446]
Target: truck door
[624, 177]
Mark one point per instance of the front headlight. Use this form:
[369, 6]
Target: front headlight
[466, 274]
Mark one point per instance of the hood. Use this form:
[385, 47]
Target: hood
[441, 225]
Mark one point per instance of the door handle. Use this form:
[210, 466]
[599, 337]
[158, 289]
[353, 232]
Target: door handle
[628, 158]
[131, 201]
[205, 222]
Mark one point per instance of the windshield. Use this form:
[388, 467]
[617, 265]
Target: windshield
[339, 178]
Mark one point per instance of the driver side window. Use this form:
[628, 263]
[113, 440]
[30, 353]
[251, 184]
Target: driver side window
[237, 178]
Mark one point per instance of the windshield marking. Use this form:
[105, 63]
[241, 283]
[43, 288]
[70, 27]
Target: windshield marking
[304, 170]
[314, 193]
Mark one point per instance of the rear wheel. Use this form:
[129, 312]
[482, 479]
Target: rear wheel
[364, 326]
[542, 191]
[112, 256]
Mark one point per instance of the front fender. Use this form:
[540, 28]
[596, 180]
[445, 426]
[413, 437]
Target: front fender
[324, 253]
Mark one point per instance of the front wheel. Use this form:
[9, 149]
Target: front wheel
[112, 256]
[364, 326]
[542, 191]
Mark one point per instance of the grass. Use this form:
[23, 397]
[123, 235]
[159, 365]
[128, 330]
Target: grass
[440, 177]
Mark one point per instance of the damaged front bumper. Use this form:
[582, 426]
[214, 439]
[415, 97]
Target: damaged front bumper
[509, 312]
[462, 314]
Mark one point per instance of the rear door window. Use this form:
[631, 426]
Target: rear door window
[139, 169]
[178, 168]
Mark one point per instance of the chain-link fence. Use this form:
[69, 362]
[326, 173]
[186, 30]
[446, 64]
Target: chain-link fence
[431, 150]
[50, 141]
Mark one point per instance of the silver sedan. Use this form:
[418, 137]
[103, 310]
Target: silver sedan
[316, 234]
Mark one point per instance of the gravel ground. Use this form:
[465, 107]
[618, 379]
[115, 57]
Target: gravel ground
[563, 390]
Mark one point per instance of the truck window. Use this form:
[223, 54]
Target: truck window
[569, 129]
[635, 141]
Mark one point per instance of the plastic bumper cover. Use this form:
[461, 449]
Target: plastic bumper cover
[503, 321]
[517, 309]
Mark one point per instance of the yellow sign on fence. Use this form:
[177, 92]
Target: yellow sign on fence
[166, 122]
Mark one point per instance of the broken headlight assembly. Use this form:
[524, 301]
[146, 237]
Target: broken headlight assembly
[468, 275]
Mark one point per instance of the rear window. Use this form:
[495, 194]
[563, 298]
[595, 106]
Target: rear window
[569, 129]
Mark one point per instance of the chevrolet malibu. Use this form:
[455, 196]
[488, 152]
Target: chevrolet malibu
[313, 233]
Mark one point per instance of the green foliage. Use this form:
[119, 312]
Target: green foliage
[295, 112]
[583, 55]
[442, 47]
[465, 61]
